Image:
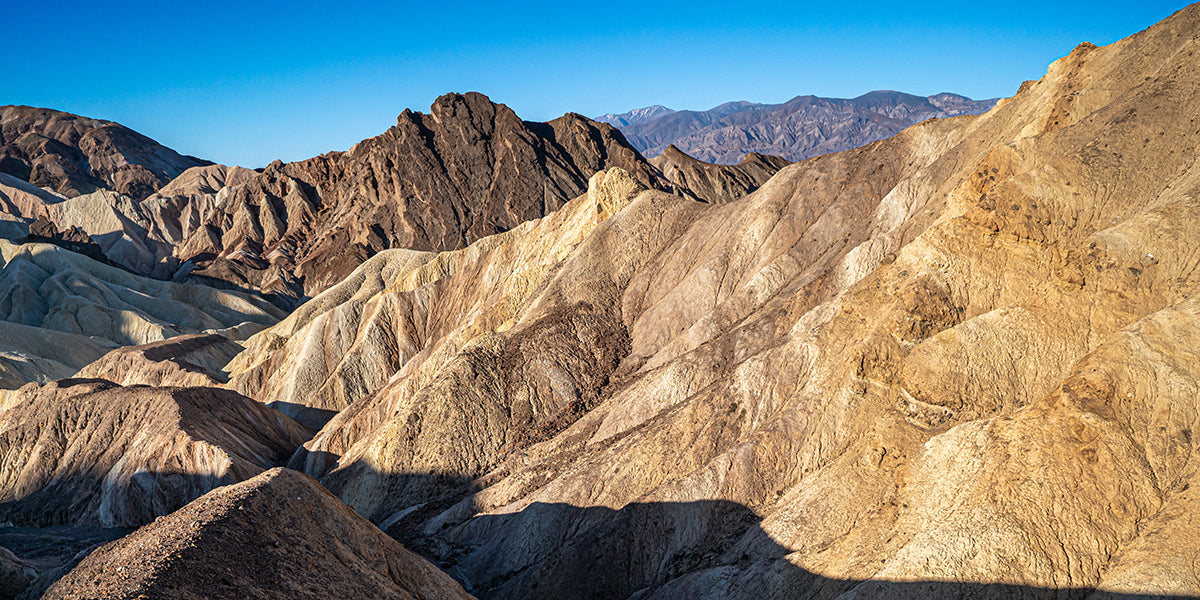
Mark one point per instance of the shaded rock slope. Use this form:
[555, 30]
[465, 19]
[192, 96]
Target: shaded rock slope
[717, 183]
[963, 356]
[800, 128]
[89, 452]
[61, 310]
[278, 535]
[73, 155]
[438, 181]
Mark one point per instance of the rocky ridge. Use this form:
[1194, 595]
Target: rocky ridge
[717, 183]
[438, 181]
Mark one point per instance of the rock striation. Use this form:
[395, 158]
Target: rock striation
[957, 362]
[193, 360]
[87, 452]
[278, 535]
[73, 155]
[800, 128]
[716, 183]
[61, 310]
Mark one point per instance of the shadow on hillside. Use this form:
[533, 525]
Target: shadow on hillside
[79, 500]
[703, 549]
[56, 526]
[312, 418]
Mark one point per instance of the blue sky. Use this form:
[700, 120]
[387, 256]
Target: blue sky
[245, 83]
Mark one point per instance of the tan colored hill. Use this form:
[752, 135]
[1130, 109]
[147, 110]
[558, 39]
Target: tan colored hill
[89, 452]
[109, 227]
[62, 310]
[195, 360]
[717, 183]
[959, 362]
[278, 535]
[74, 155]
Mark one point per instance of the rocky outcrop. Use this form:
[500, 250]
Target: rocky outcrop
[89, 452]
[958, 362]
[73, 155]
[278, 535]
[800, 128]
[717, 183]
[61, 311]
[438, 181]
[195, 360]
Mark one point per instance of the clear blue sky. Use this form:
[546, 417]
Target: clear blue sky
[245, 83]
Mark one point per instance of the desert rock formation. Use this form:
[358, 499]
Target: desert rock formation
[278, 535]
[89, 452]
[961, 357]
[62, 310]
[800, 128]
[717, 183]
[73, 155]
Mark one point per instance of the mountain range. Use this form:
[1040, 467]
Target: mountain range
[800, 128]
[956, 362]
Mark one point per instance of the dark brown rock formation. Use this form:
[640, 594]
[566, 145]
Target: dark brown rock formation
[75, 155]
[438, 181]
[716, 183]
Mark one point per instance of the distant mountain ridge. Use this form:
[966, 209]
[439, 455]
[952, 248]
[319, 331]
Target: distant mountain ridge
[800, 128]
[635, 116]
